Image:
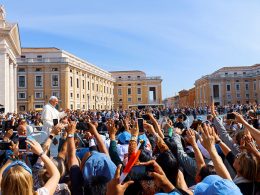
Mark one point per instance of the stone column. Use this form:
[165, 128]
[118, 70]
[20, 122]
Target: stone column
[6, 84]
[11, 87]
[15, 87]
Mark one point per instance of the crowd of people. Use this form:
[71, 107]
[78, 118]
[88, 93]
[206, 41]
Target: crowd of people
[142, 151]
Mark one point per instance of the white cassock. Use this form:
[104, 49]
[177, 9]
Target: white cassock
[48, 114]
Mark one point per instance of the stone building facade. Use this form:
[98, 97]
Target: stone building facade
[229, 85]
[9, 49]
[135, 89]
[44, 72]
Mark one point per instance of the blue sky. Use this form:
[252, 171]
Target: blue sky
[178, 40]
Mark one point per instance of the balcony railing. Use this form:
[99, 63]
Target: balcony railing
[43, 60]
[236, 75]
[64, 60]
[139, 78]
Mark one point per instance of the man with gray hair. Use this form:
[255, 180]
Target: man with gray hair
[50, 113]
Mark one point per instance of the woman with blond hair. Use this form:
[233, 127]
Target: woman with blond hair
[16, 176]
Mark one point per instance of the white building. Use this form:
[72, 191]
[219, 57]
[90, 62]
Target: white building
[9, 49]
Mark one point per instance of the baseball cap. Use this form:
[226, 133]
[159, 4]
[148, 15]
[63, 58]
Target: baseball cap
[124, 137]
[199, 118]
[214, 184]
[98, 164]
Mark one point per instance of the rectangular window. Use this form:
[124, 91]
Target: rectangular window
[77, 83]
[139, 91]
[71, 82]
[83, 84]
[228, 87]
[77, 95]
[38, 70]
[93, 87]
[38, 95]
[237, 87]
[228, 96]
[215, 91]
[22, 108]
[139, 99]
[88, 85]
[104, 89]
[129, 91]
[247, 86]
[97, 87]
[119, 91]
[54, 69]
[71, 95]
[129, 99]
[247, 95]
[56, 94]
[38, 81]
[38, 106]
[21, 69]
[238, 95]
[21, 81]
[21, 95]
[254, 85]
[55, 80]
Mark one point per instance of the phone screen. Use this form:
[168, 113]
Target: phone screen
[55, 122]
[140, 172]
[141, 124]
[231, 116]
[22, 143]
[146, 117]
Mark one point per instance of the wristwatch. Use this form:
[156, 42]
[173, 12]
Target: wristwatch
[70, 135]
[51, 137]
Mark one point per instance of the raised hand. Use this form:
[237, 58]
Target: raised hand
[208, 137]
[191, 138]
[114, 187]
[126, 123]
[212, 107]
[71, 127]
[35, 146]
[135, 129]
[149, 128]
[111, 129]
[159, 176]
[239, 118]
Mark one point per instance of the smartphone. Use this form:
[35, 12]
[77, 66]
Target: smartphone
[5, 145]
[231, 116]
[146, 117]
[22, 143]
[55, 122]
[140, 172]
[141, 124]
[82, 126]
